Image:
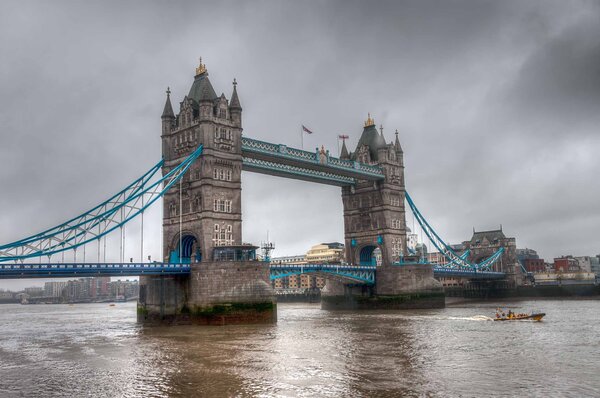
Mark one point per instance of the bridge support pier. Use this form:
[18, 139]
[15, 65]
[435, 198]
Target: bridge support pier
[409, 286]
[215, 293]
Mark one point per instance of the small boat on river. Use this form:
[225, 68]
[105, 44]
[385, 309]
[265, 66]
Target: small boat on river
[511, 316]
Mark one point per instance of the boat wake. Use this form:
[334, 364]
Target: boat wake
[472, 318]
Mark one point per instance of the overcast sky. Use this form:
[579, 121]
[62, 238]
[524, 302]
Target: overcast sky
[497, 105]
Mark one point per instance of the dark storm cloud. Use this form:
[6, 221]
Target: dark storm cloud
[496, 104]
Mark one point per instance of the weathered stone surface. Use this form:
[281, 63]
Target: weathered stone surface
[215, 293]
[406, 279]
[338, 296]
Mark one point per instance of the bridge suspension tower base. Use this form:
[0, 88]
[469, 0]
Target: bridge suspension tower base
[398, 287]
[215, 293]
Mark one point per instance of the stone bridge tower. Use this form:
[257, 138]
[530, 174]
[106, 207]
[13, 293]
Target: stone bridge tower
[203, 211]
[374, 223]
[375, 234]
[202, 219]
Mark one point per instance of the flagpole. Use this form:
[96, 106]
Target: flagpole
[301, 138]
[338, 142]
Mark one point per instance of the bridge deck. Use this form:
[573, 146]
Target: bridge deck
[82, 270]
[357, 273]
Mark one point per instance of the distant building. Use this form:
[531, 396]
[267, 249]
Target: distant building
[529, 259]
[484, 244]
[412, 240]
[595, 265]
[566, 264]
[54, 289]
[326, 253]
[34, 291]
[534, 265]
[585, 263]
[323, 253]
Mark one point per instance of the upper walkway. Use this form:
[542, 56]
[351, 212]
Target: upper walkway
[281, 160]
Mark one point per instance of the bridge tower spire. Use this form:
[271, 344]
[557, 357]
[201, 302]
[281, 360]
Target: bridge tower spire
[168, 117]
[235, 108]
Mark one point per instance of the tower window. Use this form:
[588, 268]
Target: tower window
[222, 174]
[223, 235]
[222, 205]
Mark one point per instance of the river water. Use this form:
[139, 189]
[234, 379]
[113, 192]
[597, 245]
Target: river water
[95, 350]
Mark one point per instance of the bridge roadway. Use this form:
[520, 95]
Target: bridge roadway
[357, 273]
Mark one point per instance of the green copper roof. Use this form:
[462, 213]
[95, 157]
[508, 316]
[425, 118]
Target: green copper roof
[202, 89]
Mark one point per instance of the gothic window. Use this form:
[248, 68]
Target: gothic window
[395, 200]
[223, 235]
[222, 205]
[173, 210]
[396, 223]
[197, 203]
[222, 174]
[222, 113]
[185, 205]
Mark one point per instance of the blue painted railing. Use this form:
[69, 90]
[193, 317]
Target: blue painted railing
[440, 272]
[361, 274]
[282, 154]
[80, 270]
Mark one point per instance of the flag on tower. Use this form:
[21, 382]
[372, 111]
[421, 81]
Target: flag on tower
[306, 130]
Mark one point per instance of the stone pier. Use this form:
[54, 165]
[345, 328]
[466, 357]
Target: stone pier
[398, 287]
[216, 293]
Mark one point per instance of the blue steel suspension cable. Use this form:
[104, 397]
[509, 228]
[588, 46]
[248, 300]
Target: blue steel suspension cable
[134, 187]
[78, 231]
[446, 250]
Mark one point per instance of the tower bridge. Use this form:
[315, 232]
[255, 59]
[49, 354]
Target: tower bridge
[207, 274]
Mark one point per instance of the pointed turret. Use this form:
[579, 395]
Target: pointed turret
[344, 154]
[381, 130]
[168, 110]
[235, 101]
[397, 145]
[168, 117]
[235, 109]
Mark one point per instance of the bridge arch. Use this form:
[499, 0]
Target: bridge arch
[339, 273]
[369, 255]
[185, 250]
